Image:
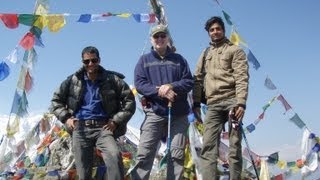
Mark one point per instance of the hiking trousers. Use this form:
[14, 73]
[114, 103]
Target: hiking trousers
[216, 117]
[153, 129]
[84, 139]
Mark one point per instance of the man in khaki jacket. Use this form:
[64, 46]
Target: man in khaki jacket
[222, 71]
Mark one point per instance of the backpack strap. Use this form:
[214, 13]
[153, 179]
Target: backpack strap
[203, 60]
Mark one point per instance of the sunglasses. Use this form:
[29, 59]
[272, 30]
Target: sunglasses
[159, 36]
[87, 61]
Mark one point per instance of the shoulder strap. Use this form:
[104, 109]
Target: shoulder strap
[203, 59]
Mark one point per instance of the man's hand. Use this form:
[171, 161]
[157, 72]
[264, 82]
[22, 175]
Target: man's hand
[70, 123]
[166, 91]
[111, 126]
[239, 113]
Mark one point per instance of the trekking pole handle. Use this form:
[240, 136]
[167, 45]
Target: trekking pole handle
[170, 104]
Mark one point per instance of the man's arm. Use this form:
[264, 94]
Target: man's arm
[141, 81]
[59, 101]
[185, 84]
[241, 76]
[198, 81]
[127, 103]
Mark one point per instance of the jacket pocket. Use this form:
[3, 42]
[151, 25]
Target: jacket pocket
[225, 62]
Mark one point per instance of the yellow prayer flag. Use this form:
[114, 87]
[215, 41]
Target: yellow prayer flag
[13, 127]
[55, 22]
[188, 159]
[41, 22]
[63, 134]
[264, 172]
[236, 39]
[126, 163]
[282, 164]
[134, 91]
[295, 169]
[124, 15]
[40, 10]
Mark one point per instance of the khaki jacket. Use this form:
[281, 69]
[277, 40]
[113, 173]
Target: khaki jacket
[225, 74]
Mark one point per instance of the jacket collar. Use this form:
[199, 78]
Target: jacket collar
[155, 53]
[80, 73]
[220, 42]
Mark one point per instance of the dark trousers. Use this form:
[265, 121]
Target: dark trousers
[84, 140]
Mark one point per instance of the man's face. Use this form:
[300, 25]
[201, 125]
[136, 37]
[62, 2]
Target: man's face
[160, 41]
[90, 62]
[216, 32]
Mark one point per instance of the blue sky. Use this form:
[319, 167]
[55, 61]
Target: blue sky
[283, 36]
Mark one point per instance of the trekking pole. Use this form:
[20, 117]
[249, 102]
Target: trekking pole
[169, 125]
[249, 150]
[236, 125]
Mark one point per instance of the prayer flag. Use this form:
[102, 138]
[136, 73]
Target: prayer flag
[13, 127]
[36, 31]
[124, 15]
[273, 158]
[150, 18]
[27, 41]
[264, 171]
[13, 56]
[261, 116]
[100, 17]
[42, 7]
[250, 128]
[10, 20]
[281, 164]
[227, 17]
[27, 19]
[265, 107]
[41, 22]
[236, 39]
[269, 84]
[20, 104]
[55, 22]
[297, 121]
[279, 177]
[28, 82]
[4, 70]
[252, 59]
[85, 18]
[284, 102]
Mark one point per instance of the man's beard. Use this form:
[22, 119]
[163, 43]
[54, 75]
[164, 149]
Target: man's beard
[217, 40]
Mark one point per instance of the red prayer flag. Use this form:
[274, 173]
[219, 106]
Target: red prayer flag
[27, 42]
[10, 20]
[279, 177]
[28, 82]
[261, 116]
[284, 102]
[152, 18]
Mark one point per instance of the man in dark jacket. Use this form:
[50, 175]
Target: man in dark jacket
[95, 105]
[162, 76]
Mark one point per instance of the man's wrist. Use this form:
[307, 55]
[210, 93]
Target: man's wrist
[242, 105]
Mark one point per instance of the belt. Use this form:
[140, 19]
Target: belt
[92, 122]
